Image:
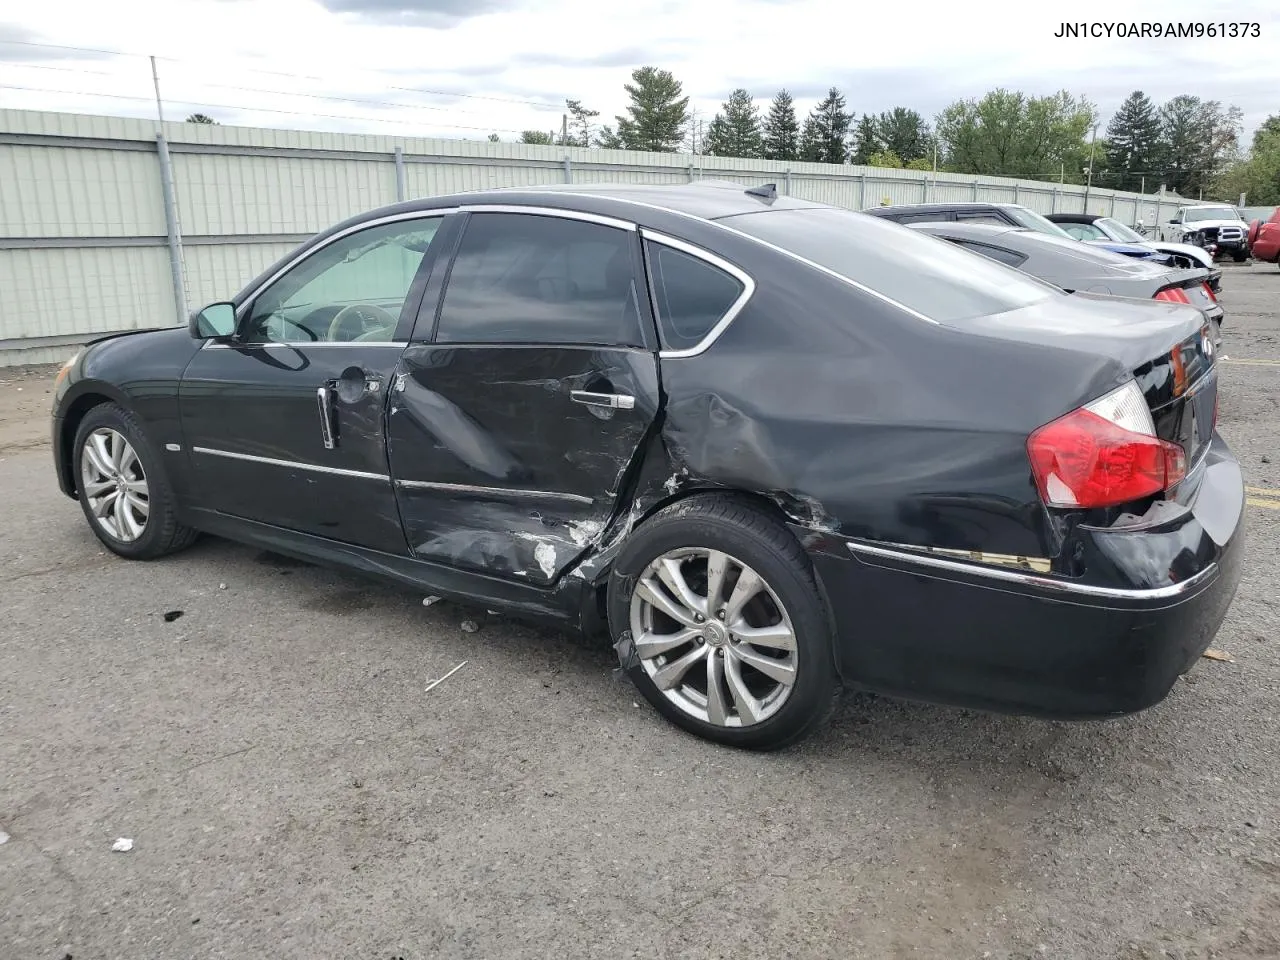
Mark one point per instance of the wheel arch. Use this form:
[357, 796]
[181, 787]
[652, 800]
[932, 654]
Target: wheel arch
[88, 395]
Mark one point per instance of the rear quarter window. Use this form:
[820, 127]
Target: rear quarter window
[928, 275]
[691, 295]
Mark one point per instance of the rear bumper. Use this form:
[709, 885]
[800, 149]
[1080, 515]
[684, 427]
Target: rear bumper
[952, 631]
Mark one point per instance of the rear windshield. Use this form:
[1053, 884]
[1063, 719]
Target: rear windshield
[1211, 213]
[923, 273]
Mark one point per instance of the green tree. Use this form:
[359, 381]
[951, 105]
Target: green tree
[580, 124]
[536, 136]
[1007, 133]
[884, 158]
[1135, 148]
[826, 130]
[781, 130]
[494, 138]
[608, 139]
[201, 118]
[866, 140]
[735, 132]
[1270, 126]
[657, 114]
[1258, 176]
[903, 132]
[922, 163]
[1201, 139]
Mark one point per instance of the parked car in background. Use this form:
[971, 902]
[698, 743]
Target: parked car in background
[1078, 267]
[1217, 227]
[1264, 238]
[768, 446]
[1096, 229]
[1012, 214]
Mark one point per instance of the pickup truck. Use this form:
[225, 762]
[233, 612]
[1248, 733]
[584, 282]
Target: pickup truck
[1218, 228]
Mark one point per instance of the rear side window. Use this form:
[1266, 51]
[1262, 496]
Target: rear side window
[529, 278]
[691, 295]
[982, 217]
[930, 276]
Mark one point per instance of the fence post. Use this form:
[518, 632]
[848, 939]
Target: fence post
[1054, 206]
[173, 229]
[1113, 204]
[924, 185]
[402, 190]
[975, 188]
[1015, 192]
[786, 182]
[691, 173]
[568, 169]
[862, 191]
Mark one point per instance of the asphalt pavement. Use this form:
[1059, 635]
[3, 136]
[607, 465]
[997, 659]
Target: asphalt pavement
[311, 766]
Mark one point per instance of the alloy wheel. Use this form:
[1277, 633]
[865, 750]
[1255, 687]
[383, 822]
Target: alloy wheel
[114, 484]
[713, 636]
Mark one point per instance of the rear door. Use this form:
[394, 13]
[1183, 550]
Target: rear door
[525, 395]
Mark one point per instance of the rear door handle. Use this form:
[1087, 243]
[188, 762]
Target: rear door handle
[326, 417]
[618, 401]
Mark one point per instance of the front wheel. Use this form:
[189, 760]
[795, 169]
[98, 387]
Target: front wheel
[1240, 256]
[122, 487]
[729, 637]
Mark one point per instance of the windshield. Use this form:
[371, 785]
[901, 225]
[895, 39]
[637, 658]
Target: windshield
[1033, 221]
[1118, 231]
[924, 274]
[1211, 213]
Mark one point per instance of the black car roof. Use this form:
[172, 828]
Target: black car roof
[935, 207]
[1074, 217]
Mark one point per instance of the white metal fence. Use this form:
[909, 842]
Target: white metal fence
[85, 243]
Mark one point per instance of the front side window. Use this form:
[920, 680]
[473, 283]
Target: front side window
[691, 295]
[534, 278]
[981, 216]
[353, 289]
[1084, 231]
[1118, 231]
[923, 273]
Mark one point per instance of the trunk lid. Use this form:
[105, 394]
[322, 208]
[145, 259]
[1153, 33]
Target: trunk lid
[1168, 347]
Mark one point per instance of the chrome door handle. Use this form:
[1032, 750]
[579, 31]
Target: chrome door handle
[326, 417]
[618, 401]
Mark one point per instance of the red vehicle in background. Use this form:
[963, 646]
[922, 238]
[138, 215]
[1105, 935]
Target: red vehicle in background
[1264, 238]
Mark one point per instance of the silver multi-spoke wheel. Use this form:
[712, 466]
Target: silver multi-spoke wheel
[114, 484]
[713, 637]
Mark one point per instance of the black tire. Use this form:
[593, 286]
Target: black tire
[1239, 256]
[749, 535]
[161, 533]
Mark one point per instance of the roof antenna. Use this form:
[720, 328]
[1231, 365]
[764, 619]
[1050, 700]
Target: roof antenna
[767, 192]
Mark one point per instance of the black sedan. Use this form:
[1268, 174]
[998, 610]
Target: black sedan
[1074, 266]
[771, 448]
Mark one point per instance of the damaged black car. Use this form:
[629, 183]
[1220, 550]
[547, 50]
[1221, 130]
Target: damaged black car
[771, 448]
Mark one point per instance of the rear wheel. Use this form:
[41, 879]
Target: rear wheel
[1239, 256]
[731, 638]
[122, 488]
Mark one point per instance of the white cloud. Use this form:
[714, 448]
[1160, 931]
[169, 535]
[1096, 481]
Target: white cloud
[267, 62]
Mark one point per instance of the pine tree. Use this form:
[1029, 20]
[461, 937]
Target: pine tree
[1134, 143]
[827, 128]
[904, 133]
[580, 124]
[866, 140]
[781, 129]
[736, 131]
[657, 112]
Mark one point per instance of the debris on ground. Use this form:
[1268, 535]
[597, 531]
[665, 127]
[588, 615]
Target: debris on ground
[172, 615]
[222, 586]
[428, 601]
[470, 626]
[436, 683]
[1212, 654]
[122, 845]
[4, 837]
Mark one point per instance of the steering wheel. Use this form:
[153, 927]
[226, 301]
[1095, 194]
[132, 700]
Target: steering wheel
[371, 319]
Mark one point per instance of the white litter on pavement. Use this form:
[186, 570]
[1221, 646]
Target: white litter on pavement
[428, 601]
[123, 845]
[4, 837]
[434, 683]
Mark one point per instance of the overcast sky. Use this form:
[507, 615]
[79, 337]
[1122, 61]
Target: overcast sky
[464, 68]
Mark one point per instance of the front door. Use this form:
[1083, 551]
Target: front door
[513, 425]
[285, 423]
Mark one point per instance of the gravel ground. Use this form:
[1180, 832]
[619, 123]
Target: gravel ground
[294, 785]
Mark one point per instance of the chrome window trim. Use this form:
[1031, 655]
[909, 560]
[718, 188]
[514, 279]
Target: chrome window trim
[504, 491]
[560, 212]
[308, 344]
[764, 243]
[908, 555]
[291, 464]
[721, 325]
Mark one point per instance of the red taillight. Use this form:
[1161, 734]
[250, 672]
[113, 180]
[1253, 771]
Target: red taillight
[1104, 454]
[1209, 292]
[1173, 295]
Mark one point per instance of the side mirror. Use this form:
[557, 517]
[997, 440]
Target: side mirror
[215, 320]
[1174, 220]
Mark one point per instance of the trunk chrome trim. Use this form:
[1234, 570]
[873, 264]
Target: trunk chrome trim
[508, 492]
[908, 554]
[291, 464]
